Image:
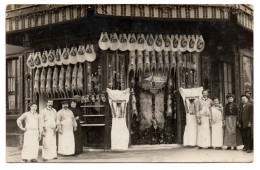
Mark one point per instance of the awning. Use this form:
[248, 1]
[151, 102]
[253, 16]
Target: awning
[42, 15]
[164, 11]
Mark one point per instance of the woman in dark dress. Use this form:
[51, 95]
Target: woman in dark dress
[77, 112]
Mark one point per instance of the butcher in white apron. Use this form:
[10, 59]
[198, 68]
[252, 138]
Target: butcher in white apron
[48, 129]
[204, 117]
[31, 134]
[66, 123]
[190, 96]
[119, 133]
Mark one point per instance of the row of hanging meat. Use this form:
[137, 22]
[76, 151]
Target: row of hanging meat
[143, 63]
[68, 56]
[59, 82]
[159, 42]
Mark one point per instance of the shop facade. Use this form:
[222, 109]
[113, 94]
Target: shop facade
[222, 63]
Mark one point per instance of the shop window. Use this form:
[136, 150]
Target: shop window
[13, 78]
[248, 73]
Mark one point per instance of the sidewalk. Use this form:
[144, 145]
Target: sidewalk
[147, 153]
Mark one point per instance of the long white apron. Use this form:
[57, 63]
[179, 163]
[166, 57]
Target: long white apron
[49, 149]
[204, 137]
[190, 132]
[217, 128]
[66, 139]
[119, 133]
[31, 144]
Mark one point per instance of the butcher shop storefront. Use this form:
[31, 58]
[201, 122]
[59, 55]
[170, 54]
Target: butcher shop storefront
[125, 61]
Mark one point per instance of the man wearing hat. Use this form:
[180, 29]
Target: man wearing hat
[66, 124]
[232, 136]
[246, 123]
[250, 99]
[77, 112]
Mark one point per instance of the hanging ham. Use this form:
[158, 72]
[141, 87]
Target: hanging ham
[90, 53]
[65, 56]
[68, 80]
[104, 42]
[114, 42]
[81, 54]
[30, 61]
[175, 42]
[122, 42]
[44, 59]
[159, 43]
[51, 58]
[131, 42]
[141, 42]
[200, 44]
[191, 43]
[184, 43]
[73, 55]
[38, 60]
[168, 43]
[149, 42]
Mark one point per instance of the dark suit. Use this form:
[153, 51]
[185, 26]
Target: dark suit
[246, 117]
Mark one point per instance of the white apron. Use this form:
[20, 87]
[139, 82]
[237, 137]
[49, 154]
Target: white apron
[30, 144]
[190, 132]
[49, 150]
[203, 139]
[119, 133]
[217, 128]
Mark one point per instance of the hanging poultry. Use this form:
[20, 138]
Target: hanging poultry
[74, 80]
[80, 80]
[61, 82]
[48, 83]
[43, 81]
[36, 85]
[68, 80]
[55, 81]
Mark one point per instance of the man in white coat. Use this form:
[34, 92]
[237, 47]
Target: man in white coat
[48, 128]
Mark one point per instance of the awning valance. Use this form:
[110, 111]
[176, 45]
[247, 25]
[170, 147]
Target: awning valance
[163, 11]
[43, 15]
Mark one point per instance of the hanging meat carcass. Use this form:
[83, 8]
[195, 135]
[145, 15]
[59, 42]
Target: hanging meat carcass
[49, 83]
[80, 80]
[166, 63]
[43, 82]
[153, 63]
[74, 80]
[172, 60]
[147, 64]
[179, 59]
[134, 110]
[55, 81]
[61, 82]
[169, 105]
[140, 65]
[89, 84]
[36, 85]
[68, 80]
[159, 63]
[132, 66]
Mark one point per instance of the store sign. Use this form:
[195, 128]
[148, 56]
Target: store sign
[161, 11]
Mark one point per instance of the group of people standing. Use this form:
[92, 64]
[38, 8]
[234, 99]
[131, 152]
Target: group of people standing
[231, 127]
[45, 126]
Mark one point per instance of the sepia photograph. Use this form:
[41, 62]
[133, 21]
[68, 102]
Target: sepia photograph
[131, 83]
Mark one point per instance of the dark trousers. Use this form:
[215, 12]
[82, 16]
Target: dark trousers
[247, 138]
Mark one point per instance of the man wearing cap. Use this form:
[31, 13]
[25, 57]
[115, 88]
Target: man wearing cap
[48, 129]
[77, 112]
[31, 134]
[66, 124]
[232, 135]
[246, 123]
